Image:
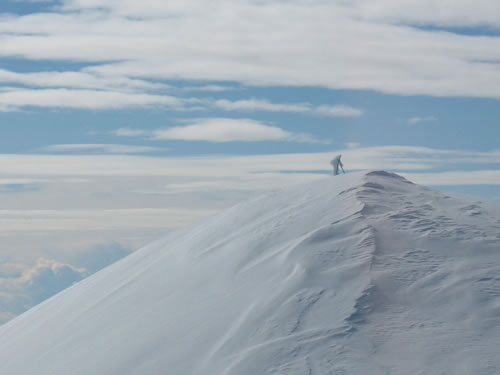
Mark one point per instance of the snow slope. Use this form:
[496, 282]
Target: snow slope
[364, 273]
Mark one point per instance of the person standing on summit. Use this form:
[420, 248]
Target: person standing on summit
[336, 163]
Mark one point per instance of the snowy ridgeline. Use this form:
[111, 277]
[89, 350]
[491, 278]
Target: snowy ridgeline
[362, 273]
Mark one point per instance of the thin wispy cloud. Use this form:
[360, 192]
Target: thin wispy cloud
[260, 105]
[208, 88]
[418, 120]
[456, 178]
[21, 181]
[353, 145]
[338, 111]
[251, 105]
[431, 12]
[102, 148]
[71, 220]
[77, 80]
[83, 99]
[128, 132]
[398, 158]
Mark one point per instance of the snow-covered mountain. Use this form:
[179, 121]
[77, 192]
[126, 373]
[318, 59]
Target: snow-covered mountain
[364, 273]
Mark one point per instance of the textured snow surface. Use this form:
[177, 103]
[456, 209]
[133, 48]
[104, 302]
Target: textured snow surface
[364, 273]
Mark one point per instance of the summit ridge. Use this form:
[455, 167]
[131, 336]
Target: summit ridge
[363, 273]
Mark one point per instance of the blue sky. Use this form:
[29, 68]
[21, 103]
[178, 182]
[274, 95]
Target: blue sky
[122, 120]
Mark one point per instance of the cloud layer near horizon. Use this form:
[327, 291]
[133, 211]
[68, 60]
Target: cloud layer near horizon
[395, 158]
[33, 285]
[104, 197]
[24, 286]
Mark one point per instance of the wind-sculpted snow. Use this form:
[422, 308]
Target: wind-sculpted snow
[364, 273]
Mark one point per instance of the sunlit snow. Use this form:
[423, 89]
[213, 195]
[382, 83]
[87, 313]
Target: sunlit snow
[363, 273]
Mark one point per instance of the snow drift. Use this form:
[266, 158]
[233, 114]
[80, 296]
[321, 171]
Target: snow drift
[364, 273]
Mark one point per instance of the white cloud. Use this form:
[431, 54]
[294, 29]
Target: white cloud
[102, 148]
[381, 157]
[230, 130]
[25, 285]
[454, 12]
[431, 12]
[208, 88]
[78, 80]
[338, 111]
[82, 99]
[71, 220]
[260, 105]
[48, 277]
[266, 105]
[418, 120]
[35, 284]
[353, 145]
[255, 183]
[336, 44]
[224, 130]
[127, 132]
